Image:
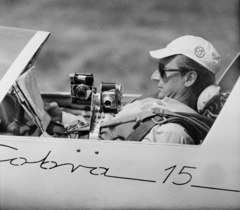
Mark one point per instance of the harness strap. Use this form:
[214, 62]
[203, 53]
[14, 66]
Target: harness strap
[196, 129]
[188, 116]
[141, 131]
[196, 133]
[146, 120]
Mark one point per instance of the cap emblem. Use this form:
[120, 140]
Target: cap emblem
[199, 52]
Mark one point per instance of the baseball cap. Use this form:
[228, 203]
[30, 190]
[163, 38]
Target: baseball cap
[196, 48]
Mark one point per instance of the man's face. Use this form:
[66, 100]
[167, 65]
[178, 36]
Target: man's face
[170, 83]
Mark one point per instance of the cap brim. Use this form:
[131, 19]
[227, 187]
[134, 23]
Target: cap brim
[162, 53]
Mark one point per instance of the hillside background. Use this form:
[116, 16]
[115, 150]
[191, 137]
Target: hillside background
[112, 38]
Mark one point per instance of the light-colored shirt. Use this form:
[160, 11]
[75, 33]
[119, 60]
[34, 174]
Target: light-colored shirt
[166, 133]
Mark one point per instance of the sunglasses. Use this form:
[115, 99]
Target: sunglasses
[162, 70]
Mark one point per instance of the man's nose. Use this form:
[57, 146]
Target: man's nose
[155, 75]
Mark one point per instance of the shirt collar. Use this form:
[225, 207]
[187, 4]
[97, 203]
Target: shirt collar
[177, 106]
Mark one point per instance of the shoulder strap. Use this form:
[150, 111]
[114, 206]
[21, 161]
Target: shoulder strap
[144, 121]
[142, 130]
[195, 127]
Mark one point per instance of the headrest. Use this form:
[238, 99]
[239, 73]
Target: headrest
[207, 97]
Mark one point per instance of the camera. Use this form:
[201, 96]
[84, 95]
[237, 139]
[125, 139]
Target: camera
[82, 87]
[110, 97]
[82, 92]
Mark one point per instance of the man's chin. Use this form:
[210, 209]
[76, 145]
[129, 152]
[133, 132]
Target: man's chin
[161, 95]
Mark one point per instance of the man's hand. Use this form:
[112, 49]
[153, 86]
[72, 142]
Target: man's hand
[54, 111]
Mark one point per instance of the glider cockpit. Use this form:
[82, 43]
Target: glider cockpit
[63, 173]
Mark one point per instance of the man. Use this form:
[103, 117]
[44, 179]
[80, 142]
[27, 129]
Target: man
[185, 68]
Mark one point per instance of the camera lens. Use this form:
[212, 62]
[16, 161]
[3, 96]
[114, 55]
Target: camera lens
[81, 91]
[107, 103]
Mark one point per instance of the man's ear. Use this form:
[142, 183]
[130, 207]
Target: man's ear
[190, 78]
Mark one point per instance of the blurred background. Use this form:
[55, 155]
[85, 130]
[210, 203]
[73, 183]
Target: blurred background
[112, 38]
